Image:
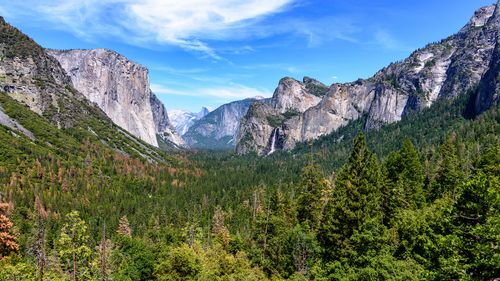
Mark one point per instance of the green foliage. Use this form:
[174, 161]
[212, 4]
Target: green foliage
[428, 211]
[72, 247]
[132, 259]
[448, 174]
[355, 206]
[404, 180]
[311, 196]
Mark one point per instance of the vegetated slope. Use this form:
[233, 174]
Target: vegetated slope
[33, 78]
[431, 215]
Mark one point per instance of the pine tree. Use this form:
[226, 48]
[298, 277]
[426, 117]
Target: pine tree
[356, 203]
[448, 174]
[478, 218]
[311, 192]
[404, 180]
[8, 242]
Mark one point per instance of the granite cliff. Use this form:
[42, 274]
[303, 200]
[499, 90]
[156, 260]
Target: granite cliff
[466, 61]
[121, 89]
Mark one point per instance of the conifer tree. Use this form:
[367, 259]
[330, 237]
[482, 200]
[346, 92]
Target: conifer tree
[356, 201]
[478, 218]
[448, 174]
[311, 191]
[404, 180]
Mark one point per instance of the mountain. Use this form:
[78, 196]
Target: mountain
[182, 120]
[121, 89]
[466, 61]
[43, 110]
[218, 128]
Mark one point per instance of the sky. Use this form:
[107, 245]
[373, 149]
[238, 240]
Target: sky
[210, 52]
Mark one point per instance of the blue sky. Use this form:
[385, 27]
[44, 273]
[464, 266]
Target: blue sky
[210, 52]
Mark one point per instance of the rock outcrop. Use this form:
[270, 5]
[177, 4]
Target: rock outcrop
[121, 89]
[30, 76]
[441, 70]
[217, 129]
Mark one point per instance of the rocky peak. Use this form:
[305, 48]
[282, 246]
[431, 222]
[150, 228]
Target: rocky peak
[480, 18]
[292, 95]
[203, 112]
[218, 129]
[120, 88]
[446, 69]
[30, 76]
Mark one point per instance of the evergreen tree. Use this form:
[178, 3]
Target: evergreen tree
[448, 173]
[478, 218]
[404, 180]
[311, 194]
[355, 206]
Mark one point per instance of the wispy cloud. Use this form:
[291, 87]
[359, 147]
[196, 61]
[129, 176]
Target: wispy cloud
[187, 24]
[388, 41]
[226, 93]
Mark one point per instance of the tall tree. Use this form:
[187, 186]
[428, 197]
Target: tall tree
[311, 194]
[478, 218]
[72, 246]
[448, 173]
[356, 203]
[404, 180]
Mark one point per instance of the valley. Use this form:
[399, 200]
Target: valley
[394, 177]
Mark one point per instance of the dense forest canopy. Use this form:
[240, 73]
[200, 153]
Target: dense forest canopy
[418, 199]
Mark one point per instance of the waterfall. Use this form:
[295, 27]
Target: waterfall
[273, 141]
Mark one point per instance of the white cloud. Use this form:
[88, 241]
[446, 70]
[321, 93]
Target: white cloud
[227, 93]
[386, 40]
[184, 23]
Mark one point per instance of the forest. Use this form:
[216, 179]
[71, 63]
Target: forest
[414, 200]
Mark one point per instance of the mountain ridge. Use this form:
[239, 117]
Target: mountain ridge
[439, 70]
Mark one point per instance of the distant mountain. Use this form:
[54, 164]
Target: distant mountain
[217, 129]
[182, 120]
[303, 111]
[121, 89]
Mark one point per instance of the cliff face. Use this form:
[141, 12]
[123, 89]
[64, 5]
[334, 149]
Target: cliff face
[442, 70]
[120, 88]
[218, 128]
[31, 77]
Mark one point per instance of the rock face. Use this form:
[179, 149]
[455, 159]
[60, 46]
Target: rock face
[163, 128]
[120, 88]
[182, 120]
[442, 70]
[29, 75]
[217, 129]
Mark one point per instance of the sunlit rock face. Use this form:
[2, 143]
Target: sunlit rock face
[463, 62]
[121, 89]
